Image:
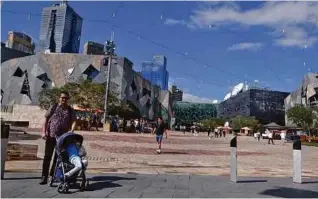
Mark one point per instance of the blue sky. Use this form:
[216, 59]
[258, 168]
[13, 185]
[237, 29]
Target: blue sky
[221, 43]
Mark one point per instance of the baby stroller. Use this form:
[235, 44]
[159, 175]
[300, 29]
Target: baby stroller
[69, 169]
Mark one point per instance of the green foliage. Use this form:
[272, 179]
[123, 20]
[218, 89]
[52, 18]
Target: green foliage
[47, 97]
[213, 123]
[239, 122]
[87, 95]
[303, 117]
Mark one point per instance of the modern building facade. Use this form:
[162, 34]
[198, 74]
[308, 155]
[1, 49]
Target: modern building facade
[93, 48]
[21, 83]
[9, 53]
[189, 112]
[306, 94]
[265, 105]
[20, 42]
[60, 30]
[156, 71]
[176, 94]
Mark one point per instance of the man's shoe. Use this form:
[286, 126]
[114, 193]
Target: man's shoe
[43, 180]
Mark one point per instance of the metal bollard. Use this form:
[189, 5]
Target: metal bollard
[297, 161]
[5, 129]
[233, 146]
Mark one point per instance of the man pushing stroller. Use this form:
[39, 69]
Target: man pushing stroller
[60, 122]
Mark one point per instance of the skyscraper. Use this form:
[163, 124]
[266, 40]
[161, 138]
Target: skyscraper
[156, 71]
[177, 94]
[60, 30]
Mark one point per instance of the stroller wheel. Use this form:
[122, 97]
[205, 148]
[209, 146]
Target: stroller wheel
[63, 188]
[84, 185]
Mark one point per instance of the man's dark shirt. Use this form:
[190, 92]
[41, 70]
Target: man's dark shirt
[60, 121]
[160, 128]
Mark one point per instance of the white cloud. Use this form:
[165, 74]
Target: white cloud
[246, 46]
[187, 97]
[292, 16]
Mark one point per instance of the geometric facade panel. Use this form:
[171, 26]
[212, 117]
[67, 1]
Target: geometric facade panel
[48, 70]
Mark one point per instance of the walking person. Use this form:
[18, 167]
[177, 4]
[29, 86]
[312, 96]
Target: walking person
[94, 122]
[159, 130]
[258, 135]
[283, 137]
[270, 137]
[59, 119]
[209, 132]
[216, 134]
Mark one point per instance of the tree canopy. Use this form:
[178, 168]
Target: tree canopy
[87, 95]
[304, 117]
[239, 122]
[213, 122]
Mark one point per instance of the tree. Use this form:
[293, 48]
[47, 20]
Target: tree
[47, 97]
[88, 95]
[239, 122]
[213, 123]
[302, 116]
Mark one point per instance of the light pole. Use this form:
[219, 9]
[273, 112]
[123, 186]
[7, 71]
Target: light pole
[110, 51]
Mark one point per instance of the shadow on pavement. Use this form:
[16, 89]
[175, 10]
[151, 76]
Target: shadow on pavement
[174, 153]
[26, 178]
[250, 181]
[310, 182]
[102, 182]
[285, 192]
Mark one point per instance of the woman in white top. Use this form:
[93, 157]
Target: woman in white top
[283, 136]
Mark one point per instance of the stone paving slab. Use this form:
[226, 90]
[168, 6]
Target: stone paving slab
[24, 185]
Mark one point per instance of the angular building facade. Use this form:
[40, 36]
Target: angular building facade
[156, 71]
[23, 78]
[60, 30]
[265, 105]
[189, 112]
[306, 94]
[93, 48]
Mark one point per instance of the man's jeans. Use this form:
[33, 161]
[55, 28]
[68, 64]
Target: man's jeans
[48, 153]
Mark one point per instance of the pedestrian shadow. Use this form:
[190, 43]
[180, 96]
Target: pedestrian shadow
[103, 182]
[286, 192]
[251, 181]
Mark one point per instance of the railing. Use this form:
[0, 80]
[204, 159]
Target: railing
[6, 108]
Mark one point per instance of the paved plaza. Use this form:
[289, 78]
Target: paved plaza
[182, 154]
[127, 165]
[25, 185]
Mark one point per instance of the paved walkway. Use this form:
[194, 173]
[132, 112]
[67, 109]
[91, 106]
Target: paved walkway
[25, 185]
[182, 154]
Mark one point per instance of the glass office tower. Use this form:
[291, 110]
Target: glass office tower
[60, 30]
[156, 71]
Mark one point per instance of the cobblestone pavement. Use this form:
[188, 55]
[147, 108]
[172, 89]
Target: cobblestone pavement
[136, 153]
[25, 185]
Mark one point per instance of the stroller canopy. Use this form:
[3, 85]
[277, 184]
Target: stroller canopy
[68, 138]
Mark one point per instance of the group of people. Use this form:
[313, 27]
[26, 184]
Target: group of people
[217, 133]
[130, 126]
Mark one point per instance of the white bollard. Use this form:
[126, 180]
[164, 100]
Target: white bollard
[297, 162]
[233, 146]
[5, 129]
